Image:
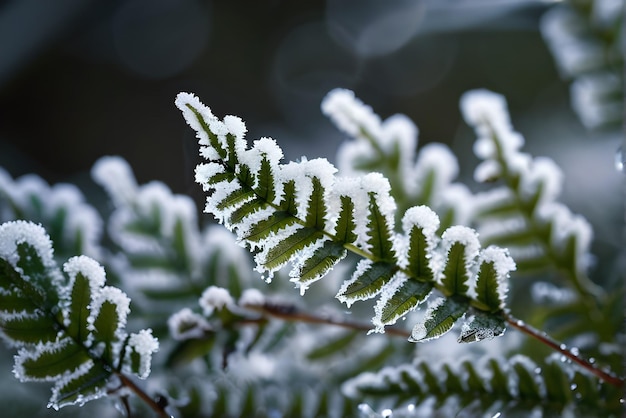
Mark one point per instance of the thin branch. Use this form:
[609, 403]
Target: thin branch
[292, 313]
[562, 348]
[158, 409]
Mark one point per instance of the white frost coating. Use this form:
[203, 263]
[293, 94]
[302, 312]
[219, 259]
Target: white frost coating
[487, 171]
[480, 106]
[423, 217]
[89, 268]
[235, 126]
[591, 99]
[251, 297]
[351, 187]
[565, 225]
[350, 114]
[213, 298]
[439, 159]
[16, 232]
[298, 261]
[465, 236]
[185, 325]
[503, 264]
[115, 296]
[98, 391]
[144, 344]
[183, 102]
[377, 184]
[503, 228]
[543, 173]
[115, 175]
[203, 172]
[548, 293]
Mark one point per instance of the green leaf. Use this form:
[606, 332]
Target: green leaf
[80, 299]
[380, 239]
[286, 248]
[367, 281]
[50, 361]
[332, 347]
[81, 388]
[344, 230]
[455, 274]
[274, 223]
[527, 385]
[106, 326]
[418, 255]
[320, 262]
[29, 329]
[487, 287]
[405, 298]
[439, 319]
[316, 206]
[265, 188]
[246, 209]
[482, 326]
[288, 200]
[239, 195]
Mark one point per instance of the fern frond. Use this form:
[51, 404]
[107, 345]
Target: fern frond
[490, 386]
[162, 254]
[74, 225]
[390, 147]
[523, 214]
[584, 38]
[302, 213]
[70, 330]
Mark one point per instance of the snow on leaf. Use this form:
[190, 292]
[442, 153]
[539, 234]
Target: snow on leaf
[213, 298]
[460, 245]
[141, 347]
[185, 324]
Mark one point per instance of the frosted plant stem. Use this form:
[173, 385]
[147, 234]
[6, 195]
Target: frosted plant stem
[158, 409]
[562, 348]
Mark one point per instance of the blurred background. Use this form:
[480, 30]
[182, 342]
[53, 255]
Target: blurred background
[80, 79]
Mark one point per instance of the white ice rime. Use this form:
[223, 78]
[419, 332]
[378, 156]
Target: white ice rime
[350, 114]
[503, 265]
[115, 175]
[186, 324]
[144, 344]
[14, 233]
[213, 298]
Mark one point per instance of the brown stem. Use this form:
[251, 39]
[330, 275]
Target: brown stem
[158, 409]
[291, 313]
[561, 348]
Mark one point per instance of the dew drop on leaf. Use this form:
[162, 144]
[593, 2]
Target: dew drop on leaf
[620, 159]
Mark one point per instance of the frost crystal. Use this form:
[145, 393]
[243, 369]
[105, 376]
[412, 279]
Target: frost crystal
[185, 324]
[144, 344]
[215, 298]
[17, 232]
[116, 176]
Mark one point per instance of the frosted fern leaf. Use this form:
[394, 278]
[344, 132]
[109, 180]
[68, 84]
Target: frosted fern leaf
[302, 213]
[69, 329]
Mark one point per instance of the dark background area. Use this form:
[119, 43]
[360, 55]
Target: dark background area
[80, 79]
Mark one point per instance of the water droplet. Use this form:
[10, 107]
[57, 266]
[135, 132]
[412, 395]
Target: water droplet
[520, 323]
[575, 351]
[497, 415]
[404, 318]
[563, 359]
[386, 413]
[573, 386]
[621, 401]
[592, 360]
[410, 407]
[620, 159]
[563, 347]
